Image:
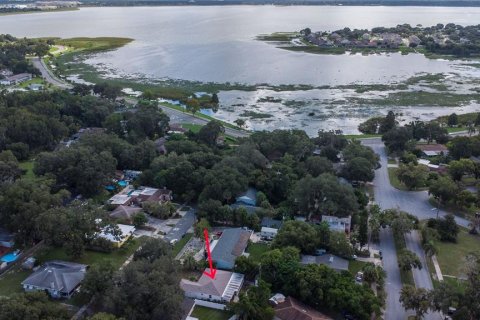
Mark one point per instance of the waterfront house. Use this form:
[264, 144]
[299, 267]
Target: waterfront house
[231, 245]
[58, 278]
[222, 288]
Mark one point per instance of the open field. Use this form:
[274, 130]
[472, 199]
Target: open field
[94, 44]
[256, 250]
[203, 313]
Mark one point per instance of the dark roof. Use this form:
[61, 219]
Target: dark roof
[292, 309]
[5, 236]
[432, 147]
[271, 223]
[334, 262]
[57, 275]
[125, 212]
[232, 244]
[187, 306]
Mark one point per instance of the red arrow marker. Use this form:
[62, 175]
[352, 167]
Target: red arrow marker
[213, 271]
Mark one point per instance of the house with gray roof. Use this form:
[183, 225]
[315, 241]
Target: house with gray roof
[329, 260]
[232, 244]
[59, 278]
[222, 288]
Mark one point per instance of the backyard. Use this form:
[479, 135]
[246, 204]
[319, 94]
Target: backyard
[203, 313]
[256, 250]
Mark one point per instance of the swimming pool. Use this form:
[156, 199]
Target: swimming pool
[9, 257]
[122, 183]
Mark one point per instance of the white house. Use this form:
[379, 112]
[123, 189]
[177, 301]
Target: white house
[222, 288]
[338, 224]
[268, 233]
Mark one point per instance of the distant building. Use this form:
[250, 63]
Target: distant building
[222, 288]
[247, 200]
[130, 195]
[232, 244]
[329, 260]
[271, 223]
[432, 150]
[292, 309]
[338, 224]
[35, 87]
[125, 213]
[58, 278]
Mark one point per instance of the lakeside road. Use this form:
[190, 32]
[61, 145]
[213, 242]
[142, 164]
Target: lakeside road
[48, 75]
[177, 116]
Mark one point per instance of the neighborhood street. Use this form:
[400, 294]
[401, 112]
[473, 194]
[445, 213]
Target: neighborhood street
[413, 202]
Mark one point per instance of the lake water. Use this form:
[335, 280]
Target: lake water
[217, 44]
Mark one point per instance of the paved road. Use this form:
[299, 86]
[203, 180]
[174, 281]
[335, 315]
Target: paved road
[48, 75]
[393, 284]
[185, 223]
[415, 203]
[182, 117]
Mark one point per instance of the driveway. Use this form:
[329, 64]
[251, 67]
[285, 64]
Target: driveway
[179, 230]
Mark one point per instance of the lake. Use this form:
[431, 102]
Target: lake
[217, 44]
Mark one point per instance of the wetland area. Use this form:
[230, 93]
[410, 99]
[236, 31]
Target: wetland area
[181, 50]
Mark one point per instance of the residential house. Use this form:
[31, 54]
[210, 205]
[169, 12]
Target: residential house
[432, 167]
[336, 263]
[271, 223]
[58, 278]
[247, 200]
[125, 213]
[176, 128]
[119, 240]
[222, 288]
[35, 87]
[231, 244]
[432, 150]
[130, 195]
[16, 79]
[292, 309]
[338, 224]
[268, 233]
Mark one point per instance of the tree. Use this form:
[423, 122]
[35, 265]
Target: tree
[397, 138]
[373, 274]
[324, 195]
[98, 280]
[247, 266]
[460, 147]
[279, 265]
[189, 263]
[416, 299]
[358, 169]
[315, 166]
[407, 260]
[192, 105]
[210, 132]
[340, 245]
[448, 229]
[201, 226]
[240, 122]
[32, 306]
[388, 123]
[254, 303]
[452, 120]
[430, 248]
[104, 316]
[443, 189]
[458, 168]
[214, 99]
[412, 176]
[298, 234]
[139, 220]
[363, 228]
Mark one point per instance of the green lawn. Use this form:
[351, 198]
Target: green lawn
[117, 257]
[451, 256]
[36, 80]
[10, 282]
[204, 313]
[94, 44]
[195, 128]
[28, 167]
[257, 249]
[354, 266]
[181, 243]
[361, 136]
[392, 175]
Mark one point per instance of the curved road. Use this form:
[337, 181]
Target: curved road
[416, 203]
[48, 75]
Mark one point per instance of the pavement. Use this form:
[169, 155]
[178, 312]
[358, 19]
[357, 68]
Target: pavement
[177, 116]
[48, 75]
[413, 202]
[185, 223]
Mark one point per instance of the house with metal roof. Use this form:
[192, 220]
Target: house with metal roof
[232, 244]
[222, 288]
[58, 278]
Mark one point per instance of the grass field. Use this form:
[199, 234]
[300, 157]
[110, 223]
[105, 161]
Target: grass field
[257, 249]
[354, 266]
[28, 167]
[203, 313]
[94, 44]
[181, 243]
[10, 282]
[451, 256]
[392, 175]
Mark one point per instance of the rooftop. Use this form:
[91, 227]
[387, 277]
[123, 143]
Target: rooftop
[329, 260]
[292, 309]
[125, 212]
[232, 243]
[225, 284]
[57, 275]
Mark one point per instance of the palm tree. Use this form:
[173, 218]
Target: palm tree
[430, 249]
[189, 263]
